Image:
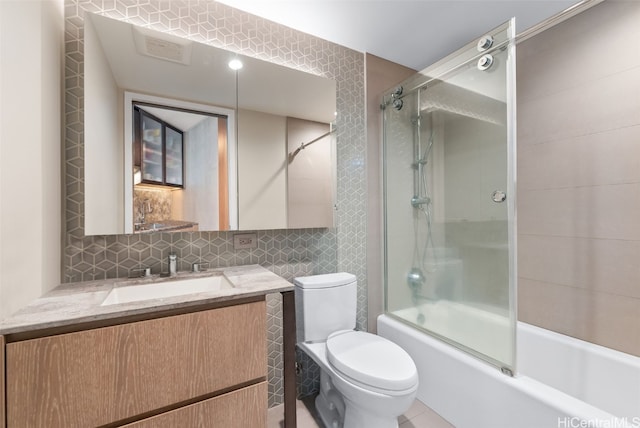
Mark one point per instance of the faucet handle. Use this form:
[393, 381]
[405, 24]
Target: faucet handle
[199, 267]
[141, 272]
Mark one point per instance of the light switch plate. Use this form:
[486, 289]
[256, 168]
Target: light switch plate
[245, 241]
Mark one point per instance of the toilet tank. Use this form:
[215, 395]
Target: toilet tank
[324, 304]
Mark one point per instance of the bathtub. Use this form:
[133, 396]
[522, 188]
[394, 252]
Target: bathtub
[561, 382]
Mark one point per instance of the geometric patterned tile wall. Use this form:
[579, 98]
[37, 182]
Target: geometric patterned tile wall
[288, 253]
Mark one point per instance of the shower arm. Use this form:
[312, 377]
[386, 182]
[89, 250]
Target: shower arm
[305, 145]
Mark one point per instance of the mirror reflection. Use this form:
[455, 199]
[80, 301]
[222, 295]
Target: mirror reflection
[175, 140]
[181, 178]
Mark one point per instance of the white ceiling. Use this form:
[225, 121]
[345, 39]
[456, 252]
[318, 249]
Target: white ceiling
[414, 33]
[182, 120]
[207, 79]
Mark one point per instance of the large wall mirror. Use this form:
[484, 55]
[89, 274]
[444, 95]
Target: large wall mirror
[176, 140]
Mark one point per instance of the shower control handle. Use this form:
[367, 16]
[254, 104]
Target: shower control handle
[498, 196]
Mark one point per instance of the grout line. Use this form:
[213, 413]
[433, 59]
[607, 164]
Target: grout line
[576, 287]
[546, 235]
[573, 86]
[531, 145]
[584, 186]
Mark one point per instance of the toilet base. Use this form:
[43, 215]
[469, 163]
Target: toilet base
[341, 404]
[329, 403]
[368, 409]
[337, 410]
[356, 417]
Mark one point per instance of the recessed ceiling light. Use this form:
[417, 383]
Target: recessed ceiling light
[235, 64]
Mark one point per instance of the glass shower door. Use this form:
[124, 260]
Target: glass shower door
[450, 199]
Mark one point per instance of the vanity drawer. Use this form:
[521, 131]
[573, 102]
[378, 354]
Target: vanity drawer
[246, 407]
[105, 375]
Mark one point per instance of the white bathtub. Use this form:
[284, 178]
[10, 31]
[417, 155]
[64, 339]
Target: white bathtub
[561, 382]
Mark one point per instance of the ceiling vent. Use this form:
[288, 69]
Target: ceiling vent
[162, 46]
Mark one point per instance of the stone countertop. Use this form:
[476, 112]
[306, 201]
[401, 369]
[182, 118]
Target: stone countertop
[167, 226]
[80, 302]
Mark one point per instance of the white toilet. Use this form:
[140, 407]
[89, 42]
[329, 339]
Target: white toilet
[366, 381]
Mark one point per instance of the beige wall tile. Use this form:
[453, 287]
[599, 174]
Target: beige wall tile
[609, 212]
[601, 318]
[599, 42]
[610, 157]
[603, 265]
[540, 304]
[579, 177]
[608, 103]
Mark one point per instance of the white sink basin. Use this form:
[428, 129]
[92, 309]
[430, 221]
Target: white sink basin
[161, 290]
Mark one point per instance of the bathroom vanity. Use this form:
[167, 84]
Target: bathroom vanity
[78, 357]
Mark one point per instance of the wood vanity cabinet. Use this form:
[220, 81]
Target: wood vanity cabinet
[199, 369]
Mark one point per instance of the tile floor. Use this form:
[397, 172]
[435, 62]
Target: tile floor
[418, 416]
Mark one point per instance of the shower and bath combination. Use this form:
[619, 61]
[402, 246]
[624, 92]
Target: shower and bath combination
[420, 277]
[447, 169]
[556, 378]
[424, 258]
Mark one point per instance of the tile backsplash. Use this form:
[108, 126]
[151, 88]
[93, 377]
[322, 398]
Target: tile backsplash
[288, 253]
[156, 204]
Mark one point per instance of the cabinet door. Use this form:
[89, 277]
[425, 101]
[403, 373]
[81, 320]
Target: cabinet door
[243, 408]
[173, 159]
[102, 376]
[152, 153]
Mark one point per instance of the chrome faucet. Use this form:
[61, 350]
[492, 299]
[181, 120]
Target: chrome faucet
[144, 208]
[173, 264]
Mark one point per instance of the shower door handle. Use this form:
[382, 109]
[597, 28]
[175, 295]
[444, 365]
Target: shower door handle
[498, 196]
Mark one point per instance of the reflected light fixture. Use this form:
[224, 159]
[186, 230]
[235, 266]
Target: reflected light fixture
[235, 64]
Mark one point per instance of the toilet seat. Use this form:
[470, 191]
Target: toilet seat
[371, 362]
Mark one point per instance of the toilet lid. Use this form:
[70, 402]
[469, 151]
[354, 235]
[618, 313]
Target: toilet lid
[371, 360]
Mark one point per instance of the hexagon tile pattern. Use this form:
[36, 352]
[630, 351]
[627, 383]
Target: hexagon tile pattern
[288, 253]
